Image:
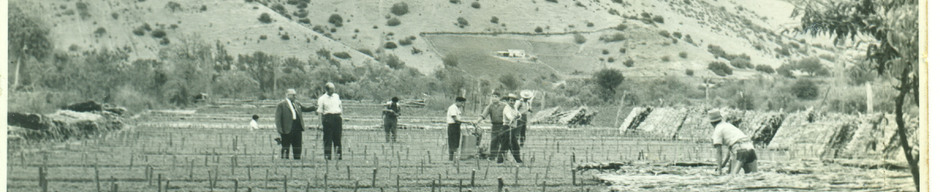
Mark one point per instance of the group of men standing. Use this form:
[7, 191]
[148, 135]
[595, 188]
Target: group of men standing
[289, 122]
[508, 116]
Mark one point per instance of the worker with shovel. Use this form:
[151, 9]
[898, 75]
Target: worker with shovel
[739, 145]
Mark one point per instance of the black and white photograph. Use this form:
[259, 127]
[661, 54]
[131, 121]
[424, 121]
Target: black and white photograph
[465, 95]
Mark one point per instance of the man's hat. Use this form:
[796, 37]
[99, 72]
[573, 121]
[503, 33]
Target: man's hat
[511, 96]
[330, 85]
[291, 91]
[526, 94]
[714, 116]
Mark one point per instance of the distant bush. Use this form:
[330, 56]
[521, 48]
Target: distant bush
[100, 31]
[590, 24]
[342, 55]
[742, 63]
[720, 68]
[621, 27]
[393, 62]
[393, 22]
[174, 26]
[462, 22]
[336, 20]
[475, 5]
[164, 41]
[538, 29]
[665, 58]
[263, 37]
[553, 1]
[400, 8]
[138, 31]
[610, 59]
[146, 26]
[285, 37]
[623, 50]
[366, 51]
[82, 9]
[683, 55]
[114, 15]
[494, 20]
[689, 72]
[390, 45]
[688, 39]
[783, 51]
[203, 8]
[173, 6]
[301, 13]
[617, 1]
[304, 20]
[677, 35]
[580, 39]
[159, 33]
[664, 33]
[658, 19]
[265, 18]
[323, 53]
[613, 38]
[805, 89]
[629, 62]
[605, 52]
[450, 61]
[765, 68]
[404, 42]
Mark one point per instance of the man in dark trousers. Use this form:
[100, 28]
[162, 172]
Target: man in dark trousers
[453, 125]
[330, 108]
[494, 111]
[391, 113]
[290, 123]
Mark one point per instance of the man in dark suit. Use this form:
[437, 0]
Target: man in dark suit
[290, 123]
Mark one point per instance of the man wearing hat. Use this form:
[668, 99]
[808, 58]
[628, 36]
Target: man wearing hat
[290, 123]
[509, 137]
[524, 107]
[391, 113]
[330, 108]
[494, 111]
[739, 145]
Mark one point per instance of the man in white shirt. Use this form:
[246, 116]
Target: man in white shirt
[330, 108]
[508, 139]
[524, 107]
[739, 145]
[453, 125]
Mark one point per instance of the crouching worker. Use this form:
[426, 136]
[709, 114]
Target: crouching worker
[738, 145]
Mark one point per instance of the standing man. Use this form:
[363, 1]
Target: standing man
[494, 111]
[509, 138]
[739, 145]
[453, 125]
[391, 113]
[290, 123]
[330, 108]
[525, 108]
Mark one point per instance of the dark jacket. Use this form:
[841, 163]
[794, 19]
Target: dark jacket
[282, 117]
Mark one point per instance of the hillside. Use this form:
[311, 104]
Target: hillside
[660, 38]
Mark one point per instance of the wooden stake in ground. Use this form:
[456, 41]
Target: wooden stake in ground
[97, 180]
[397, 183]
[159, 182]
[374, 173]
[43, 183]
[473, 176]
[500, 184]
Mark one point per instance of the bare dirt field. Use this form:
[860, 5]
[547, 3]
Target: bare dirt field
[210, 149]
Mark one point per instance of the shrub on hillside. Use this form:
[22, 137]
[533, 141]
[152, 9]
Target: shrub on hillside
[783, 51]
[677, 35]
[664, 33]
[265, 18]
[610, 59]
[342, 55]
[608, 80]
[279, 9]
[304, 20]
[538, 29]
[665, 58]
[765, 68]
[618, 1]
[390, 45]
[203, 8]
[580, 39]
[683, 55]
[455, 1]
[494, 20]
[805, 89]
[400, 8]
[393, 62]
[173, 6]
[716, 50]
[462, 22]
[393, 22]
[658, 19]
[629, 62]
[742, 63]
[323, 53]
[82, 9]
[623, 50]
[301, 13]
[138, 31]
[404, 42]
[366, 51]
[553, 1]
[688, 39]
[720, 68]
[114, 15]
[164, 41]
[689, 72]
[285, 37]
[621, 27]
[475, 5]
[336, 20]
[100, 31]
[510, 82]
[159, 33]
[605, 52]
[263, 37]
[451, 60]
[613, 38]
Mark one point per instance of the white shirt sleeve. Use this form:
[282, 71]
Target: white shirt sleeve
[716, 136]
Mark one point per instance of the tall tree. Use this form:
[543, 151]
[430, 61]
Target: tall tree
[608, 80]
[894, 26]
[28, 39]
